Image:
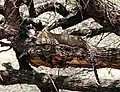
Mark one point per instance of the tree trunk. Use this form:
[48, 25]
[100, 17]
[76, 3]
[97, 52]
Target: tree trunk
[11, 30]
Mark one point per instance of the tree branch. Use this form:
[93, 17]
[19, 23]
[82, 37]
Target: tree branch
[51, 6]
[103, 13]
[11, 12]
[31, 8]
[80, 82]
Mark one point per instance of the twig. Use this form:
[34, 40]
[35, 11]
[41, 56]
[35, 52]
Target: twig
[53, 83]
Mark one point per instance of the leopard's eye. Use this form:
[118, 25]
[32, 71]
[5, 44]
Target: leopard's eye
[38, 51]
[46, 47]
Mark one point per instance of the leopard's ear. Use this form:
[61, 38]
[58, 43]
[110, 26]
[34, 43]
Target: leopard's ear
[45, 37]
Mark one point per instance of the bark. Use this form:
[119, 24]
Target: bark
[51, 6]
[12, 16]
[71, 19]
[44, 7]
[1, 10]
[11, 29]
[31, 8]
[104, 13]
[76, 56]
[12, 19]
[79, 82]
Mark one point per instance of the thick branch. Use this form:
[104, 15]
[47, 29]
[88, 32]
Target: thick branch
[51, 6]
[12, 15]
[31, 8]
[80, 82]
[1, 10]
[104, 13]
[68, 21]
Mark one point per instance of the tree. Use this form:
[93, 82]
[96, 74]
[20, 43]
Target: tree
[16, 30]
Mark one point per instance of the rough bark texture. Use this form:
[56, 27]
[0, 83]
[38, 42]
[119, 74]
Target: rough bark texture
[30, 5]
[102, 12]
[12, 15]
[12, 19]
[11, 29]
[1, 10]
[51, 6]
[80, 82]
[76, 56]
[22, 46]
